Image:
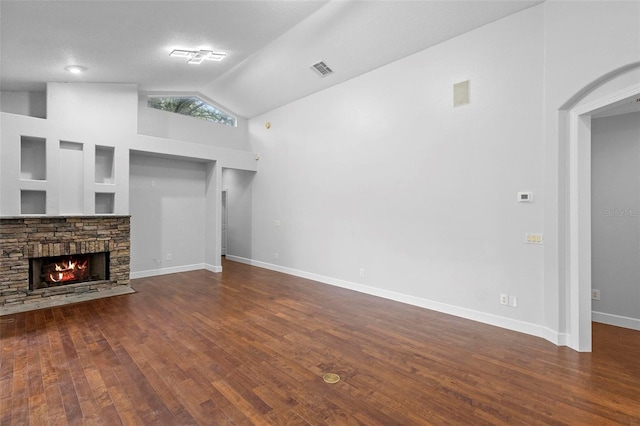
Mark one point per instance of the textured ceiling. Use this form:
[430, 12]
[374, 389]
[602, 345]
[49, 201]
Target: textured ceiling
[270, 44]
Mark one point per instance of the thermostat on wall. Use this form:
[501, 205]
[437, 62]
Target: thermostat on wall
[525, 197]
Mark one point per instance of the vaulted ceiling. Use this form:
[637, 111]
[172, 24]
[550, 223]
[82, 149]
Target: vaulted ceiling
[270, 44]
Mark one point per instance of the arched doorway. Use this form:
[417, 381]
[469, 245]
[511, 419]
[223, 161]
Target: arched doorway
[609, 91]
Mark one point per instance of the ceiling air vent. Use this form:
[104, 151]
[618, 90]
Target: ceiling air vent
[322, 69]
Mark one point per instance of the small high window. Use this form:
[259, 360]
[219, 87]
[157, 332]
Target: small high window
[192, 106]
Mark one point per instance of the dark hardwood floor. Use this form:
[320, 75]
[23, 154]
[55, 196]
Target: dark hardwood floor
[250, 346]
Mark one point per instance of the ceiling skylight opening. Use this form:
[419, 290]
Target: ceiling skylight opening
[198, 56]
[191, 106]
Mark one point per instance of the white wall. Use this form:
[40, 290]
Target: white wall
[238, 184]
[32, 104]
[167, 214]
[615, 178]
[88, 114]
[381, 173]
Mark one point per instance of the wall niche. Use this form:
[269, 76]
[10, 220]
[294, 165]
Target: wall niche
[33, 158]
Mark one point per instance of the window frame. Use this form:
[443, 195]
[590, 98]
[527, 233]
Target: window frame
[206, 103]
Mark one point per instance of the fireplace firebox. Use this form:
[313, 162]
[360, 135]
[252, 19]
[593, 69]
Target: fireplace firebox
[52, 271]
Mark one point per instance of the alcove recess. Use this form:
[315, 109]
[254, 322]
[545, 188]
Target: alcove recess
[104, 175]
[71, 184]
[33, 175]
[33, 158]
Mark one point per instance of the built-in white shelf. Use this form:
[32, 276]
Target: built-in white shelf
[104, 164]
[33, 158]
[105, 203]
[33, 202]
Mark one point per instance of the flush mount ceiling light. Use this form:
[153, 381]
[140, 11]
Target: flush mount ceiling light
[75, 69]
[198, 56]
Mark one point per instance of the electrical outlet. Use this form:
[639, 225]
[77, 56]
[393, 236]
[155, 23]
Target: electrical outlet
[169, 256]
[277, 222]
[595, 294]
[513, 301]
[504, 299]
[276, 256]
[362, 272]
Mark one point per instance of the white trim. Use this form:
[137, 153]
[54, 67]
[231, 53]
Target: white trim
[558, 339]
[470, 314]
[238, 259]
[172, 270]
[607, 100]
[579, 247]
[617, 320]
[580, 230]
[212, 268]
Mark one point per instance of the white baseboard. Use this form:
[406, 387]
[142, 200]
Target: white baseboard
[558, 339]
[617, 320]
[239, 259]
[213, 268]
[165, 271]
[536, 330]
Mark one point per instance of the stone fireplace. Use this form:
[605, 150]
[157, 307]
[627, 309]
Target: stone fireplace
[47, 261]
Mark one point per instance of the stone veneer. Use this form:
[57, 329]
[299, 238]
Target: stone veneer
[25, 237]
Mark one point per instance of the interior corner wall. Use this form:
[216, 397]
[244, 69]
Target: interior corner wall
[168, 125]
[167, 215]
[238, 184]
[380, 183]
[615, 217]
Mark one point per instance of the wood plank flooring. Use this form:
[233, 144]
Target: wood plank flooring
[250, 346]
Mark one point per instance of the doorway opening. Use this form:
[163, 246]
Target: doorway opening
[615, 218]
[579, 274]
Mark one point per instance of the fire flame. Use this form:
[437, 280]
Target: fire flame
[68, 267]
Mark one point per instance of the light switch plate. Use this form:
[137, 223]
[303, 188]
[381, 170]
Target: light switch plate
[461, 93]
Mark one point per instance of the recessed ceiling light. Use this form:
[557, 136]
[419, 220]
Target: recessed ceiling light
[75, 69]
[198, 56]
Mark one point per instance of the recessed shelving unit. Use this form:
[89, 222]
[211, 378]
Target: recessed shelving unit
[104, 164]
[55, 177]
[33, 202]
[33, 158]
[104, 202]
